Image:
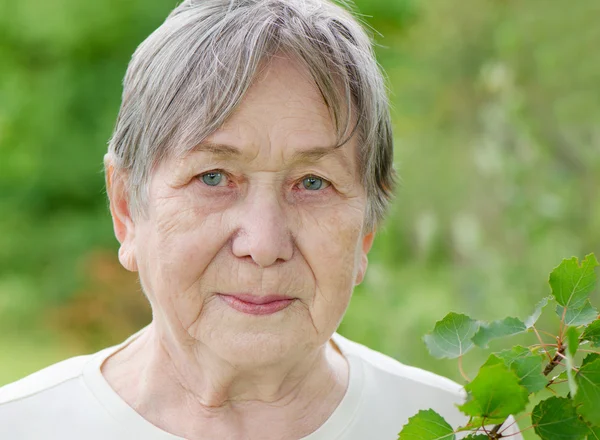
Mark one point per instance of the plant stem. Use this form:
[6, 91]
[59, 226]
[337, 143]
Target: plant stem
[462, 372]
[515, 421]
[588, 351]
[544, 345]
[493, 434]
[548, 334]
[555, 361]
[515, 433]
[541, 341]
[562, 325]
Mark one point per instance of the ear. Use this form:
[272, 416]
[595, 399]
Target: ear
[123, 224]
[367, 242]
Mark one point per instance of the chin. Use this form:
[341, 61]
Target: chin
[258, 345]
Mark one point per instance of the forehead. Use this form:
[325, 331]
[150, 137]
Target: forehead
[282, 114]
[285, 101]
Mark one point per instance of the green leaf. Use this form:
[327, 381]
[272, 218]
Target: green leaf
[594, 433]
[498, 329]
[517, 352]
[531, 320]
[572, 337]
[576, 317]
[451, 337]
[495, 393]
[427, 425]
[588, 396]
[570, 364]
[530, 373]
[572, 283]
[527, 366]
[475, 423]
[493, 359]
[555, 419]
[592, 333]
[476, 437]
[590, 358]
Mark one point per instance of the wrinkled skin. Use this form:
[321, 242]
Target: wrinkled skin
[258, 231]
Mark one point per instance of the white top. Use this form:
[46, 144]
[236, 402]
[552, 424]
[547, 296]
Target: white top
[71, 400]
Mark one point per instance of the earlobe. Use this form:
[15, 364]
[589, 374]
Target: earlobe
[123, 224]
[127, 257]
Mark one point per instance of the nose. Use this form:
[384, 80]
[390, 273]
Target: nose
[262, 231]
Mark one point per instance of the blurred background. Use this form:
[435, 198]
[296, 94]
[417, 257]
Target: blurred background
[496, 106]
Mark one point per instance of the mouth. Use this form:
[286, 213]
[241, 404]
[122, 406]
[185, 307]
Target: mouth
[256, 305]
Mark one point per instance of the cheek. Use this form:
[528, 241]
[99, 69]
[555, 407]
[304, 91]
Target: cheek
[176, 246]
[329, 241]
[333, 232]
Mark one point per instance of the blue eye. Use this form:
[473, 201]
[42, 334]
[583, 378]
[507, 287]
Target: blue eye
[313, 183]
[212, 179]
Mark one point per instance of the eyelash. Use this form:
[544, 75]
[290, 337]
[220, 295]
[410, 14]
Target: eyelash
[223, 173]
[297, 184]
[326, 183]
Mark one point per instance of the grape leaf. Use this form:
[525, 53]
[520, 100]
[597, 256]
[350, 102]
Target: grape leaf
[495, 393]
[572, 283]
[531, 320]
[451, 337]
[588, 396]
[555, 419]
[497, 329]
[592, 333]
[427, 425]
[576, 317]
[527, 366]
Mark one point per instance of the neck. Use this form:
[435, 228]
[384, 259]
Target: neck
[189, 391]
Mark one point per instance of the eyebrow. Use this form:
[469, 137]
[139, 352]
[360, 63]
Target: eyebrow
[217, 149]
[228, 151]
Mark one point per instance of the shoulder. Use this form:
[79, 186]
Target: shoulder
[43, 380]
[400, 390]
[54, 403]
[57, 375]
[387, 366]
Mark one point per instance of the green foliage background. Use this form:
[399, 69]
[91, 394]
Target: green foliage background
[496, 114]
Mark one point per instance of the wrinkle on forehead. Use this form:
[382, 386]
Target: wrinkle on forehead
[275, 116]
[308, 155]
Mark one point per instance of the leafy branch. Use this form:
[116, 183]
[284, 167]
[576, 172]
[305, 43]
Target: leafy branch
[505, 382]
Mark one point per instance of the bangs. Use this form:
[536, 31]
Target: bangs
[187, 78]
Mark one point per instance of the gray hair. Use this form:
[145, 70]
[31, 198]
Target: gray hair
[190, 74]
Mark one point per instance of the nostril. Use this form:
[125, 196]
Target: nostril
[261, 233]
[248, 259]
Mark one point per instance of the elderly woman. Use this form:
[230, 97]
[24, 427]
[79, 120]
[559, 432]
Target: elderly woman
[250, 165]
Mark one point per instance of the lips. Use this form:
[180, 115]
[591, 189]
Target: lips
[257, 305]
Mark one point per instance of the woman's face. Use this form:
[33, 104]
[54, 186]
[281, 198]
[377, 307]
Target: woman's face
[263, 210]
